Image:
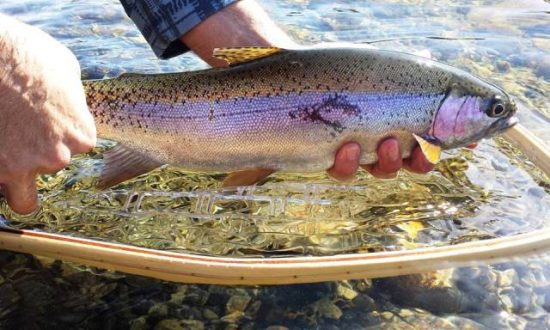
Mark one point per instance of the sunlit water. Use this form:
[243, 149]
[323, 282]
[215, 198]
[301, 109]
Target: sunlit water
[490, 192]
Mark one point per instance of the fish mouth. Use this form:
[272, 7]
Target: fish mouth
[496, 128]
[506, 123]
[501, 125]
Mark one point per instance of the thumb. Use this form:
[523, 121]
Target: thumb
[21, 196]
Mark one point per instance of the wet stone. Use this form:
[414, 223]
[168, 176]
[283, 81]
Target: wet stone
[231, 327]
[209, 314]
[405, 313]
[386, 316]
[364, 303]
[139, 323]
[192, 324]
[527, 277]
[195, 296]
[507, 300]
[502, 320]
[344, 290]
[169, 324]
[237, 304]
[507, 278]
[182, 311]
[178, 296]
[436, 299]
[158, 309]
[503, 66]
[363, 285]
[522, 299]
[276, 327]
[233, 317]
[253, 308]
[500, 164]
[464, 323]
[327, 309]
[417, 319]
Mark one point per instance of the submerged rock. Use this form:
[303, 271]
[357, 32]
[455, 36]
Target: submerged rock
[327, 309]
[345, 290]
[430, 291]
[237, 304]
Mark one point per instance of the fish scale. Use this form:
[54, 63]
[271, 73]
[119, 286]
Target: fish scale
[289, 111]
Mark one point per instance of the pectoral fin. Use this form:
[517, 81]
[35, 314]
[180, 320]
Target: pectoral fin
[430, 150]
[246, 177]
[122, 164]
[234, 56]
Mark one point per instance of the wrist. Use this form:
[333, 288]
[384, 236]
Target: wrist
[241, 24]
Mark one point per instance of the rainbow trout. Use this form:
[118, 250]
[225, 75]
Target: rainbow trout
[290, 110]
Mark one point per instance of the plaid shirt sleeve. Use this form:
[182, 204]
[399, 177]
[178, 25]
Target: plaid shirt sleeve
[163, 22]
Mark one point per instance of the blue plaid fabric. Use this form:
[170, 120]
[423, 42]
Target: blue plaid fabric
[163, 22]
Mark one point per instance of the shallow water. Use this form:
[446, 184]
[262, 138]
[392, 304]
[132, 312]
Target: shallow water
[470, 196]
[490, 192]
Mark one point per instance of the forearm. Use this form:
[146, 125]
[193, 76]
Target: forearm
[241, 24]
[172, 29]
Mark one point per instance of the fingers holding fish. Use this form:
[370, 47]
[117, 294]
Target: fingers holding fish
[389, 160]
[417, 162]
[346, 162]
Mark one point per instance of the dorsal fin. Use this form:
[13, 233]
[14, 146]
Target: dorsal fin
[122, 164]
[238, 55]
[430, 150]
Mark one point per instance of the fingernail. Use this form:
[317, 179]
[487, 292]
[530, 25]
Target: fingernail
[394, 155]
[352, 153]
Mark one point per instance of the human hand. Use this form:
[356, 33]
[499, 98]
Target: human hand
[241, 24]
[43, 111]
[346, 161]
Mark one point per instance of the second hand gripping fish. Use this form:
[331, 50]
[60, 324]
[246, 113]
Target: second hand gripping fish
[290, 110]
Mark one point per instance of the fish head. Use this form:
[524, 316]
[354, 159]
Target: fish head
[471, 110]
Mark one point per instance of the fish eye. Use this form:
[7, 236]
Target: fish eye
[497, 109]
